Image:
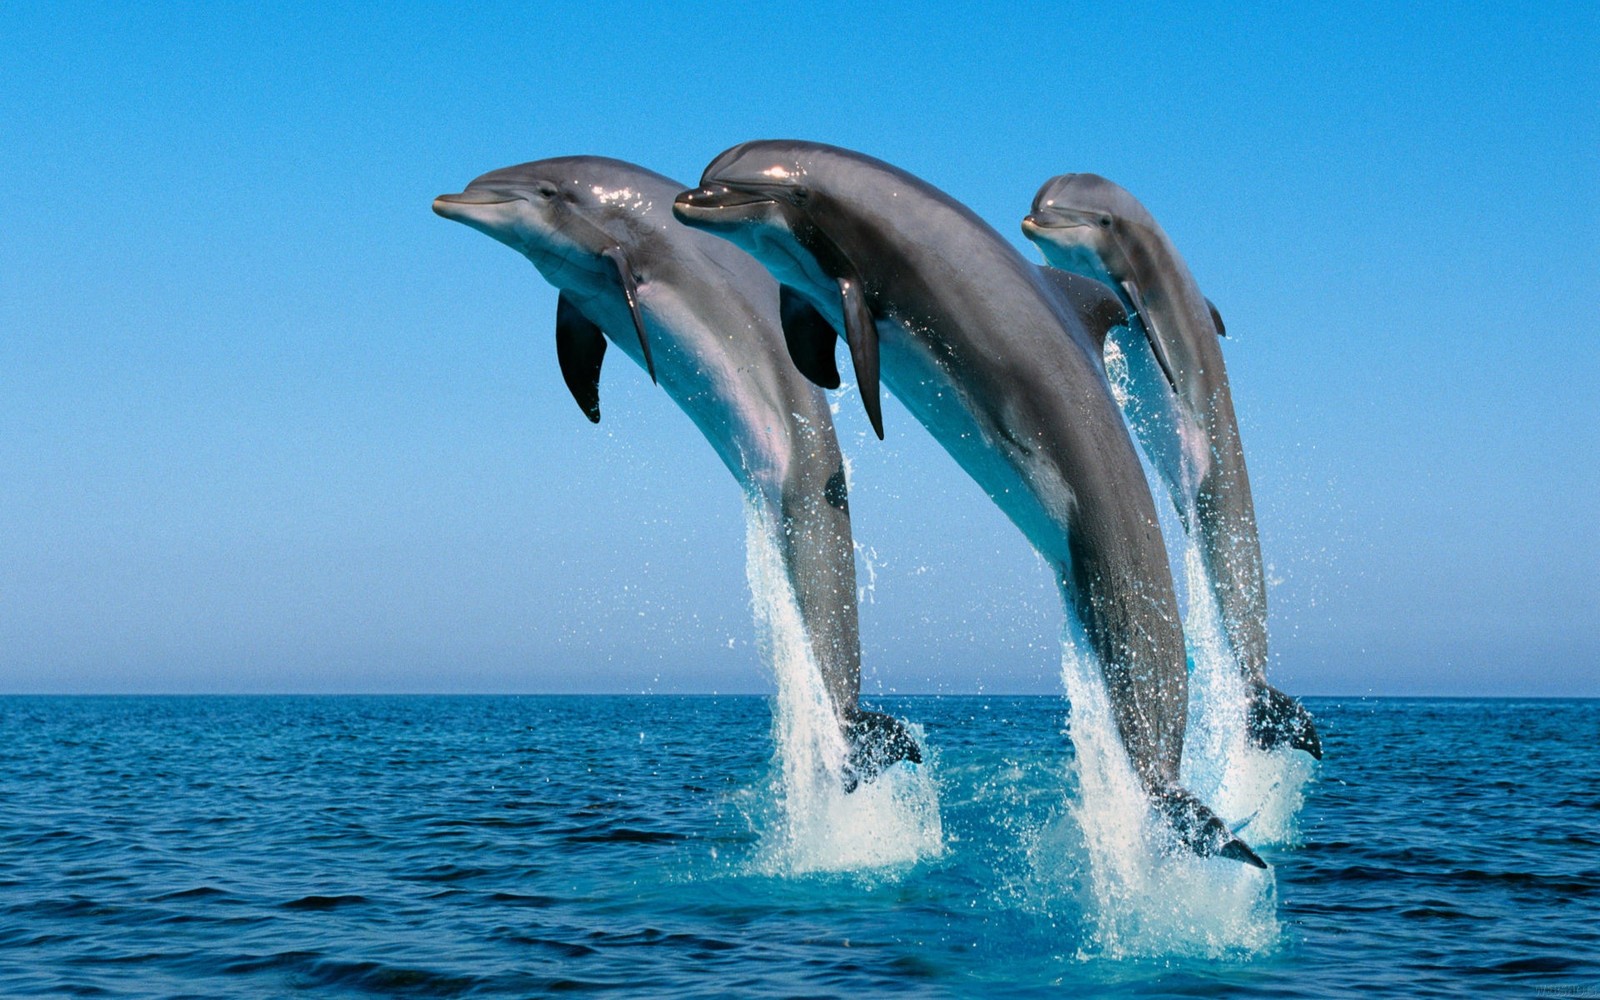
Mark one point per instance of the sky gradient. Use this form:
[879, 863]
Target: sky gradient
[267, 424]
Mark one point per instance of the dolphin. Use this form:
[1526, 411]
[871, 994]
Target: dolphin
[1001, 361]
[701, 317]
[1090, 226]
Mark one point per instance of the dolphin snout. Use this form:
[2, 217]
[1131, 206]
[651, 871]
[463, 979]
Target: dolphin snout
[717, 196]
[696, 196]
[456, 206]
[1035, 221]
[702, 197]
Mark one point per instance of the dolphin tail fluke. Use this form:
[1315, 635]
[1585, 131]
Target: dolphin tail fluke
[1278, 720]
[876, 741]
[1201, 830]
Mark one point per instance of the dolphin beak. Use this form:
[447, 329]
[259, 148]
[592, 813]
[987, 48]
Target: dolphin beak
[459, 206]
[1035, 222]
[706, 204]
[718, 196]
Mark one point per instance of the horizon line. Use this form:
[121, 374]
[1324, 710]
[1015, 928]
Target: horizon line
[719, 694]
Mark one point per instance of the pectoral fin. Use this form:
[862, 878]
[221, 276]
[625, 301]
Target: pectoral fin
[1150, 332]
[580, 347]
[1216, 318]
[811, 338]
[862, 335]
[1095, 303]
[630, 291]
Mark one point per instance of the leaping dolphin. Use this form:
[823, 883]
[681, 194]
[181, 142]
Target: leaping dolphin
[1000, 359]
[1091, 226]
[701, 317]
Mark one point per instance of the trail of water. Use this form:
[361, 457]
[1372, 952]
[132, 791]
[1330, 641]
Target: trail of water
[1142, 894]
[812, 823]
[1257, 792]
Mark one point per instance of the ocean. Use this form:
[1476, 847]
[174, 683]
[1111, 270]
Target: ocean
[648, 846]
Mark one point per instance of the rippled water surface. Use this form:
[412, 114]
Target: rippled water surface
[525, 846]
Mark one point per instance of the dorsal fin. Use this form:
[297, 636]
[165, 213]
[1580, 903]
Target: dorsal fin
[811, 338]
[580, 347]
[1216, 319]
[1095, 303]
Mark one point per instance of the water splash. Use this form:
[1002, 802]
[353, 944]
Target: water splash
[813, 825]
[1140, 892]
[1257, 792]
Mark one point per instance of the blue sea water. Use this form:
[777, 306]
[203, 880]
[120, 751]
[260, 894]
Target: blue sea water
[526, 846]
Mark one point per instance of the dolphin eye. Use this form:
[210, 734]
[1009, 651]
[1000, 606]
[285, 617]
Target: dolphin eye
[546, 189]
[1105, 222]
[799, 195]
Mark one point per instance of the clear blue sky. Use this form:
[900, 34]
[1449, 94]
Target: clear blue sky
[268, 424]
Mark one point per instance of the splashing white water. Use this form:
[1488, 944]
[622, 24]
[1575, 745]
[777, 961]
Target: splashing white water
[815, 826]
[1143, 893]
[1257, 792]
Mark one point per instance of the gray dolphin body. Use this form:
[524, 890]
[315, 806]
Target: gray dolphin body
[701, 317]
[1001, 360]
[1090, 226]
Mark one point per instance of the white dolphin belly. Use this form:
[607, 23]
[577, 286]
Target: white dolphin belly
[918, 380]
